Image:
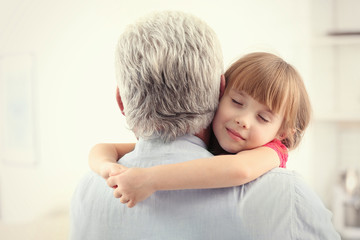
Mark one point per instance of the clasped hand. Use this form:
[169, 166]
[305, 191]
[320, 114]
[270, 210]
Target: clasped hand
[131, 185]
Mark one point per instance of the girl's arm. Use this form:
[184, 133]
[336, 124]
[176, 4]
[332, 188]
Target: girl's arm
[103, 157]
[215, 172]
[136, 184]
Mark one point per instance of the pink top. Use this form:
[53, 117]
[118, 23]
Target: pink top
[280, 149]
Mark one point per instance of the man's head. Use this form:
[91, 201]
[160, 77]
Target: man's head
[168, 68]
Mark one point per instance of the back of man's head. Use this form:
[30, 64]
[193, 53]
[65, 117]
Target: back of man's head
[168, 68]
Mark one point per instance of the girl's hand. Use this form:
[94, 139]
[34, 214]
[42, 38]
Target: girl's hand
[132, 185]
[108, 169]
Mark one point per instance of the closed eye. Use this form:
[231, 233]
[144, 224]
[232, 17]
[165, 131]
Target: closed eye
[236, 102]
[263, 119]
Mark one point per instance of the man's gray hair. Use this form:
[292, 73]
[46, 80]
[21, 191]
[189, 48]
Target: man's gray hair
[168, 68]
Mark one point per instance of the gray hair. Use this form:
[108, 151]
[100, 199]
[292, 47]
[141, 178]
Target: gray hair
[168, 68]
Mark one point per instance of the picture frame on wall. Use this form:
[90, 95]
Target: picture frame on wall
[18, 138]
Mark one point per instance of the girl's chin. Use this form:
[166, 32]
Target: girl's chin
[232, 150]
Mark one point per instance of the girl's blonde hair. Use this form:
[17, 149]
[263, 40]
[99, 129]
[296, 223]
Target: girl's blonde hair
[275, 83]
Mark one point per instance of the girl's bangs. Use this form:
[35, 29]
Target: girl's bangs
[267, 88]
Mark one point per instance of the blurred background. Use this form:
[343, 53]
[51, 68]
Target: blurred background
[57, 95]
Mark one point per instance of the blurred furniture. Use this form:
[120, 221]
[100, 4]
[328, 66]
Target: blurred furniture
[346, 204]
[335, 93]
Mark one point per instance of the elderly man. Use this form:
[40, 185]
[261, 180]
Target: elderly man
[169, 68]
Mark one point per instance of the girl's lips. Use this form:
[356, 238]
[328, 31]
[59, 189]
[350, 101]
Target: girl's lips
[234, 135]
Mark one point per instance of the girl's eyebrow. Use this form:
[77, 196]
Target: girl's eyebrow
[275, 115]
[271, 112]
[238, 92]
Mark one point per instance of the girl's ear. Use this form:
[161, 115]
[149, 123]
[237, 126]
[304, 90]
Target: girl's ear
[281, 135]
[284, 134]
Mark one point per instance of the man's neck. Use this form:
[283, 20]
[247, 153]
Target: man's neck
[204, 135]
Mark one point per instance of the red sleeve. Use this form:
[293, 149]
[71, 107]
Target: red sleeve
[280, 149]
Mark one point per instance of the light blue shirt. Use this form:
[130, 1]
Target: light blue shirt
[276, 206]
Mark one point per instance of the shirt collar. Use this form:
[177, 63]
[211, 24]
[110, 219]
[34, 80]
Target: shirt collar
[155, 141]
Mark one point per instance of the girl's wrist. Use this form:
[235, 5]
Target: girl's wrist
[104, 169]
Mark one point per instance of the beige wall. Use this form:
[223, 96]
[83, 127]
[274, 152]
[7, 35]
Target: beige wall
[72, 43]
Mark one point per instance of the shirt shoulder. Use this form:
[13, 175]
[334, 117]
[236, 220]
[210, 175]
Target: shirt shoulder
[303, 211]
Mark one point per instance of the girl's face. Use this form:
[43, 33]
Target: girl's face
[242, 123]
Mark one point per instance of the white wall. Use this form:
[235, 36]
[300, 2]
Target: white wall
[73, 42]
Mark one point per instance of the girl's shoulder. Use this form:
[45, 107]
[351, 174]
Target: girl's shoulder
[280, 149]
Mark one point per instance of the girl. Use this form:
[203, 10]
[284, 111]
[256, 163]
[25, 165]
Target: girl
[263, 112]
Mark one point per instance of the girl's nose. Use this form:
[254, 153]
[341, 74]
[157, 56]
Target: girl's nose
[242, 122]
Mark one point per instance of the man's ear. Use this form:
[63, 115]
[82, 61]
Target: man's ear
[119, 101]
[222, 85]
